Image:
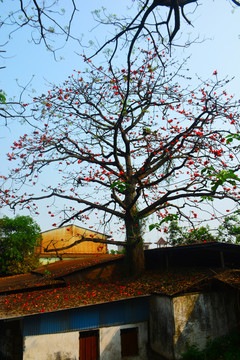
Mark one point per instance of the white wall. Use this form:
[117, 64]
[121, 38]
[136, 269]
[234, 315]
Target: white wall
[110, 345]
[65, 346]
[62, 346]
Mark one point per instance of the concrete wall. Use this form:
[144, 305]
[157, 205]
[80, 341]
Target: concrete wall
[191, 319]
[110, 342]
[161, 327]
[62, 346]
[65, 346]
[200, 317]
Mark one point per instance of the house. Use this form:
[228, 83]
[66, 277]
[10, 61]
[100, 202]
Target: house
[61, 312]
[70, 242]
[161, 242]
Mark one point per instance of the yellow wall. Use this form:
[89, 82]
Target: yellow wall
[67, 235]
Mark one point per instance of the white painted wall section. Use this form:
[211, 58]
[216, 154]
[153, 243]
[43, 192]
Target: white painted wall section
[63, 346]
[110, 342]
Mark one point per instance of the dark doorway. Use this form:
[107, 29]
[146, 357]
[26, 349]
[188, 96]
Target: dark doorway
[89, 345]
[129, 342]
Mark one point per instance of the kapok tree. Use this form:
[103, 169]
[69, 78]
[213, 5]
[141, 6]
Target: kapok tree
[127, 149]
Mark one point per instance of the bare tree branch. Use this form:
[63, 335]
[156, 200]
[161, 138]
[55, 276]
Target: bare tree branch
[127, 149]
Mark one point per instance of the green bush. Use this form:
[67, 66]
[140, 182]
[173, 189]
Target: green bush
[224, 348]
[18, 238]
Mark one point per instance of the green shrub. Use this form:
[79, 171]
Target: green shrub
[226, 347]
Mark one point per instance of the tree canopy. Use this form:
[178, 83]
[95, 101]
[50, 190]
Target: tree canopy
[178, 235]
[227, 231]
[18, 238]
[127, 146]
[46, 20]
[160, 20]
[51, 22]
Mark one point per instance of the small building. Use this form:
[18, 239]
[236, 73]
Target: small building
[70, 242]
[161, 242]
[77, 309]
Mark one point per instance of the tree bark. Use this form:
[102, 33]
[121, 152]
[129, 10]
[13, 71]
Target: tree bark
[134, 258]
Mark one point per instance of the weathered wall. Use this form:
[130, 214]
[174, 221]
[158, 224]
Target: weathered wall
[62, 346]
[67, 235]
[65, 346]
[161, 326]
[200, 317]
[191, 319]
[110, 342]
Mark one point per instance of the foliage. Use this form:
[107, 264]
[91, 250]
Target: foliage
[18, 238]
[117, 252]
[229, 230]
[2, 97]
[91, 132]
[29, 262]
[192, 353]
[178, 235]
[201, 234]
[223, 348]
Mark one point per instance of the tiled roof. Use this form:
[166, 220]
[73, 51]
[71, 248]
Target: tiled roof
[25, 282]
[161, 241]
[176, 281]
[45, 290]
[66, 267]
[51, 274]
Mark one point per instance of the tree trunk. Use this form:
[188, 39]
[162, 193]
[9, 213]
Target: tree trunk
[134, 259]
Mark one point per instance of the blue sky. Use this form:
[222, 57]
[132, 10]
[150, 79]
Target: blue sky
[216, 28]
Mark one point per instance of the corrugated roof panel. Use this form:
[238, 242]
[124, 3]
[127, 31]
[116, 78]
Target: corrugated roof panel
[88, 317]
[125, 312]
[50, 323]
[137, 311]
[112, 314]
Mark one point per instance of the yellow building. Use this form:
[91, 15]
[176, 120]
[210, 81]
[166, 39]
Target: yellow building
[70, 242]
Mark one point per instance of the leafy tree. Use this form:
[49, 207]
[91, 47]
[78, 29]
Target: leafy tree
[229, 230]
[199, 235]
[2, 97]
[178, 235]
[18, 238]
[127, 149]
